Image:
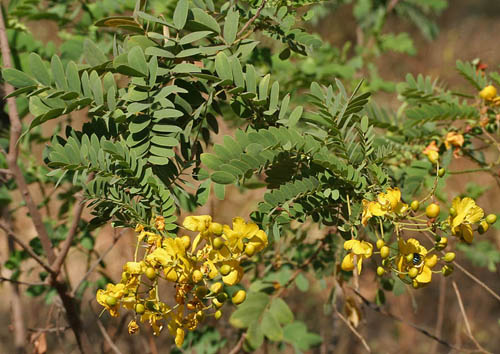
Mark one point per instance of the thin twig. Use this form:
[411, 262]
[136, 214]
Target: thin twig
[238, 347]
[466, 320]
[50, 329]
[378, 309]
[25, 247]
[97, 262]
[257, 14]
[483, 285]
[80, 205]
[353, 330]
[19, 282]
[440, 313]
[106, 337]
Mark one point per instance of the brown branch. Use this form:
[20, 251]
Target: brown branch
[12, 157]
[466, 320]
[61, 257]
[19, 282]
[107, 337]
[96, 263]
[257, 14]
[13, 154]
[479, 282]
[378, 309]
[353, 330]
[238, 347]
[440, 313]
[25, 247]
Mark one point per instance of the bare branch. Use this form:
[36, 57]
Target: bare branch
[466, 320]
[239, 345]
[353, 330]
[107, 337]
[257, 14]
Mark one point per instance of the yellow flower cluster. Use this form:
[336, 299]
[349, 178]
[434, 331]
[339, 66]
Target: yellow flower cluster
[489, 94]
[199, 270]
[408, 258]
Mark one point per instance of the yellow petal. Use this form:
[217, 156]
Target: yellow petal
[430, 261]
[425, 276]
[348, 262]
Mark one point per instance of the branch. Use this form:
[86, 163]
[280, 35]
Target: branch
[257, 14]
[91, 269]
[13, 154]
[466, 320]
[421, 330]
[107, 337]
[239, 345]
[80, 205]
[25, 247]
[353, 330]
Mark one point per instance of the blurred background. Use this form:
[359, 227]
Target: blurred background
[467, 30]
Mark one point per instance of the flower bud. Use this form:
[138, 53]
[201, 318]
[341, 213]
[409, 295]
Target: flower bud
[483, 227]
[441, 172]
[449, 257]
[215, 228]
[432, 210]
[453, 212]
[380, 271]
[380, 243]
[111, 300]
[216, 287]
[139, 309]
[186, 241]
[415, 205]
[413, 272]
[447, 269]
[225, 269]
[491, 219]
[200, 316]
[384, 252]
[197, 276]
[249, 250]
[239, 297]
[218, 243]
[151, 273]
[218, 314]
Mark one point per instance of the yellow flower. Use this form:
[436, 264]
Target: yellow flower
[467, 213]
[453, 139]
[134, 268]
[386, 203]
[112, 291]
[432, 152]
[488, 93]
[422, 261]
[199, 223]
[133, 327]
[160, 223]
[244, 232]
[362, 249]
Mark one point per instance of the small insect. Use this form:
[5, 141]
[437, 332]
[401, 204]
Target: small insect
[416, 259]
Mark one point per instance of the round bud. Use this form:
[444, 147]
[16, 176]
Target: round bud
[218, 314]
[380, 271]
[483, 227]
[249, 250]
[222, 297]
[414, 283]
[409, 257]
[447, 269]
[186, 241]
[111, 300]
[380, 243]
[491, 219]
[218, 243]
[441, 172]
[201, 291]
[384, 252]
[239, 297]
[197, 276]
[488, 93]
[449, 257]
[216, 287]
[151, 273]
[453, 212]
[432, 210]
[215, 228]
[217, 303]
[191, 305]
[225, 269]
[415, 205]
[200, 316]
[443, 241]
[139, 309]
[413, 272]
[124, 277]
